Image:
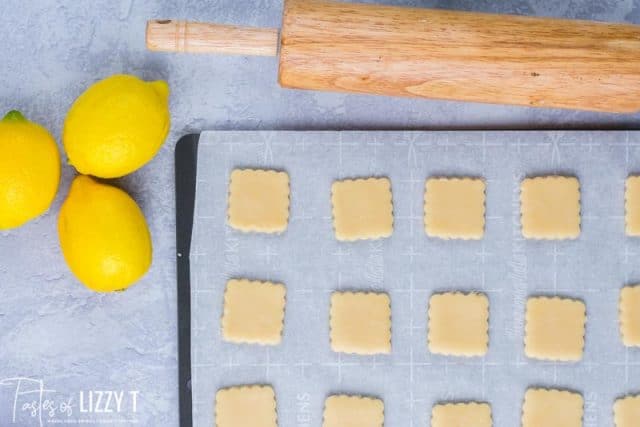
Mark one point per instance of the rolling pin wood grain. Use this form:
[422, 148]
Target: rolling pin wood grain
[197, 37]
[401, 51]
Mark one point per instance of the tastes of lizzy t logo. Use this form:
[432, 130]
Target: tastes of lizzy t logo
[31, 403]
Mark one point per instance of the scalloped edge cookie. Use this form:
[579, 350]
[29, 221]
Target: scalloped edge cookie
[455, 414]
[454, 207]
[237, 406]
[626, 411]
[362, 208]
[632, 206]
[351, 410]
[550, 207]
[561, 341]
[258, 200]
[630, 315]
[541, 404]
[452, 331]
[253, 312]
[360, 322]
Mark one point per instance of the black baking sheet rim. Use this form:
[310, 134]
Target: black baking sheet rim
[186, 156]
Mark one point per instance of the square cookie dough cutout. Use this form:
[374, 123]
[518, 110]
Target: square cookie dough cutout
[258, 200]
[550, 207]
[555, 329]
[353, 411]
[632, 206]
[458, 324]
[454, 208]
[253, 312]
[362, 208]
[360, 323]
[552, 408]
[461, 414]
[630, 315]
[246, 406]
[627, 411]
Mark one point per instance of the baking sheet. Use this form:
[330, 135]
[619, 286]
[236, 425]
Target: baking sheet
[410, 267]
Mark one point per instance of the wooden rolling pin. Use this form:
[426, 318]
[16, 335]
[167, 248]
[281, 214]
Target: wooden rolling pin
[400, 51]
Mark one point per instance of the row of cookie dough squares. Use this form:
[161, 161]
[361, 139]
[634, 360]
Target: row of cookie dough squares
[454, 208]
[255, 406]
[360, 322]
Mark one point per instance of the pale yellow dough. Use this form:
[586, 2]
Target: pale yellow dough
[362, 208]
[454, 208]
[470, 414]
[550, 207]
[246, 406]
[630, 315]
[627, 411]
[555, 329]
[360, 322]
[353, 411]
[552, 408]
[253, 312]
[259, 200]
[632, 206]
[459, 324]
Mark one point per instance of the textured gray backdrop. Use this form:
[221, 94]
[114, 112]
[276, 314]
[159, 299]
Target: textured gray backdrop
[74, 341]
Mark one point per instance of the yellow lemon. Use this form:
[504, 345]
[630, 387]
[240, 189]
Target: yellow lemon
[103, 235]
[29, 170]
[116, 126]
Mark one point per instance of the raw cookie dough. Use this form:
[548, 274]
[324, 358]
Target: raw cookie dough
[627, 411]
[630, 315]
[360, 322]
[461, 415]
[246, 406]
[550, 207]
[253, 312]
[454, 208]
[632, 206]
[362, 208]
[555, 329]
[353, 411]
[259, 200]
[552, 408]
[459, 324]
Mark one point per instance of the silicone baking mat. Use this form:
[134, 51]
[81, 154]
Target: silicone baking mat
[410, 267]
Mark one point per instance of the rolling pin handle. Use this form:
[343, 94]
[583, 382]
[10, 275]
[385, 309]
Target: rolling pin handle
[197, 37]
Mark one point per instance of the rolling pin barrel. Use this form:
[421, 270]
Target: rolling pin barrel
[400, 51]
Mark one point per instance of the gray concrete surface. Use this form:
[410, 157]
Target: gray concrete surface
[56, 334]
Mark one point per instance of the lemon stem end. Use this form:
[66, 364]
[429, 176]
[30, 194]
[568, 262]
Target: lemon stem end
[14, 116]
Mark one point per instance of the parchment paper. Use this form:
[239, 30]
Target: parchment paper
[411, 266]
